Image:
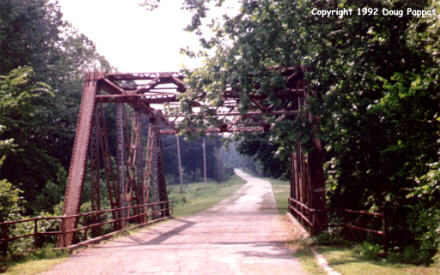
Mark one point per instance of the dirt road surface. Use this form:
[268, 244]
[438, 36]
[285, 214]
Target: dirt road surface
[241, 235]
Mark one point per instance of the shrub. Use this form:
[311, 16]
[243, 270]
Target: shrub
[370, 251]
[10, 201]
[331, 238]
[424, 219]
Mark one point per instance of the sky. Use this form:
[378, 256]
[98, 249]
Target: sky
[131, 38]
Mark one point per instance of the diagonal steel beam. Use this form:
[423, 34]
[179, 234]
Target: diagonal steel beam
[78, 161]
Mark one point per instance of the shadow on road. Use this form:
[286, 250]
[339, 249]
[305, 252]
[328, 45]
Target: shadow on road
[162, 236]
[166, 235]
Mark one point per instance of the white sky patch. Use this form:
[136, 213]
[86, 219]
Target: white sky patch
[131, 38]
[136, 40]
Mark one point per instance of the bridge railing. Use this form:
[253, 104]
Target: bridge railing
[307, 216]
[94, 225]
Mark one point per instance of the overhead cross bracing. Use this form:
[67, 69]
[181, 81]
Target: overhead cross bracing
[151, 91]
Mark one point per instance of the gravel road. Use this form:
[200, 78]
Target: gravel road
[241, 235]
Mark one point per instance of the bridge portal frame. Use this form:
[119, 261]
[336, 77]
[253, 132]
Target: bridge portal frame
[138, 180]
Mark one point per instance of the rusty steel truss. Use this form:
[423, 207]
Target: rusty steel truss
[133, 168]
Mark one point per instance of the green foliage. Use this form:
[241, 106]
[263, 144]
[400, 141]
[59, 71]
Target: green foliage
[42, 65]
[375, 83]
[192, 158]
[370, 251]
[10, 201]
[52, 192]
[331, 239]
[425, 215]
[29, 33]
[264, 150]
[21, 114]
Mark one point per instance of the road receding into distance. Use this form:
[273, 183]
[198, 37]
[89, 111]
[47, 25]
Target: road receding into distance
[241, 235]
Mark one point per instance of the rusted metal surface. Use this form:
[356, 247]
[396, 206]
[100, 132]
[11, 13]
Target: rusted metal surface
[149, 157]
[359, 212]
[5, 238]
[120, 159]
[310, 217]
[217, 130]
[104, 147]
[134, 162]
[145, 89]
[78, 161]
[161, 181]
[155, 176]
[139, 178]
[95, 193]
[306, 171]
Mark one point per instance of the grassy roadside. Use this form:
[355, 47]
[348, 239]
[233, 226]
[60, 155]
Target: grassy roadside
[200, 196]
[350, 261]
[281, 190]
[31, 267]
[346, 260]
[197, 197]
[40, 261]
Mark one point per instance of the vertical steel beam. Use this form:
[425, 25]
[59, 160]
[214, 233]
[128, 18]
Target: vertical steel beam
[120, 158]
[154, 181]
[295, 174]
[138, 163]
[300, 171]
[154, 189]
[161, 179]
[95, 174]
[75, 180]
[104, 148]
[134, 166]
[148, 170]
[150, 180]
[316, 174]
[292, 175]
[317, 186]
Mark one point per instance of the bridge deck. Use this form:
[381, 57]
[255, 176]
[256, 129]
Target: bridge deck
[241, 235]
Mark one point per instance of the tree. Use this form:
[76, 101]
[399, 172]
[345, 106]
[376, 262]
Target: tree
[29, 34]
[37, 46]
[21, 114]
[10, 201]
[265, 151]
[192, 159]
[374, 82]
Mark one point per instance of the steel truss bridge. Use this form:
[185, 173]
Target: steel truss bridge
[139, 176]
[136, 182]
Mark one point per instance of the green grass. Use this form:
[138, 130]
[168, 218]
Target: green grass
[344, 260]
[281, 191]
[31, 267]
[307, 258]
[349, 261]
[39, 261]
[200, 196]
[197, 197]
